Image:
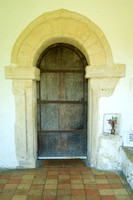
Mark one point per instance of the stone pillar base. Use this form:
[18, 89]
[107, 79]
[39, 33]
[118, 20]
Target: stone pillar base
[29, 163]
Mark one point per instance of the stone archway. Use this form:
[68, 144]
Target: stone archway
[61, 26]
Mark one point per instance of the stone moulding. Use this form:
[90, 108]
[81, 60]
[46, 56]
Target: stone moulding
[20, 73]
[61, 26]
[115, 71]
[66, 27]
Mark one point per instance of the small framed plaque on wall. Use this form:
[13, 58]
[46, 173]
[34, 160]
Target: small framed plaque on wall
[111, 122]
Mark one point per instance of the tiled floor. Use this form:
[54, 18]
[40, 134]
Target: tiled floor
[62, 181]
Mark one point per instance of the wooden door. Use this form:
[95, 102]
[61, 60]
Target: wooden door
[62, 103]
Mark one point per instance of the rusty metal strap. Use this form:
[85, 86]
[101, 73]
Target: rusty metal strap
[61, 101]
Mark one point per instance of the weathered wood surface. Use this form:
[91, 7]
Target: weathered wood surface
[61, 85]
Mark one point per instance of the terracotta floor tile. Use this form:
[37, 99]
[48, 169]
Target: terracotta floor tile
[51, 187]
[76, 169]
[16, 176]
[2, 186]
[38, 181]
[52, 177]
[95, 172]
[64, 197]
[3, 181]
[114, 180]
[49, 193]
[104, 186]
[8, 192]
[64, 176]
[40, 177]
[5, 197]
[31, 171]
[76, 177]
[53, 173]
[88, 176]
[14, 181]
[86, 172]
[64, 186]
[92, 192]
[17, 197]
[120, 191]
[65, 169]
[78, 192]
[24, 186]
[108, 197]
[117, 185]
[77, 186]
[102, 181]
[28, 177]
[26, 181]
[64, 172]
[64, 181]
[51, 182]
[100, 176]
[78, 197]
[106, 192]
[86, 169]
[35, 192]
[123, 197]
[93, 198]
[49, 198]
[76, 181]
[89, 181]
[75, 173]
[34, 198]
[90, 186]
[63, 192]
[5, 176]
[112, 176]
[37, 187]
[10, 186]
[21, 192]
[53, 169]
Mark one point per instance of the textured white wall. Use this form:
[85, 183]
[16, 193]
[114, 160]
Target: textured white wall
[109, 158]
[115, 18]
[127, 168]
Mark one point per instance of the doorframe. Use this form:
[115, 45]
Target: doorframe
[61, 26]
[83, 100]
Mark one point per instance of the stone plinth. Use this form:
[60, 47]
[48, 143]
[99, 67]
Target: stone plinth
[109, 152]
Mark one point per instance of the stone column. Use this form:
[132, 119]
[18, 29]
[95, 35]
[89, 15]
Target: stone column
[97, 87]
[93, 105]
[102, 81]
[24, 89]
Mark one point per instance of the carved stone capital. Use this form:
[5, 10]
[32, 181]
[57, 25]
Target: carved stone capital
[22, 73]
[19, 86]
[104, 86]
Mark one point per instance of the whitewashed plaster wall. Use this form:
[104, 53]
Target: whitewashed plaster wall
[115, 18]
[127, 167]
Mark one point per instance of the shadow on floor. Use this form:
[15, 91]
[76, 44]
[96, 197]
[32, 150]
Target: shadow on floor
[63, 163]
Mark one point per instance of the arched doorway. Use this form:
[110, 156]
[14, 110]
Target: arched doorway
[61, 26]
[62, 103]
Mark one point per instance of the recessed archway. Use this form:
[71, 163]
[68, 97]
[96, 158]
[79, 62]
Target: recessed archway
[61, 26]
